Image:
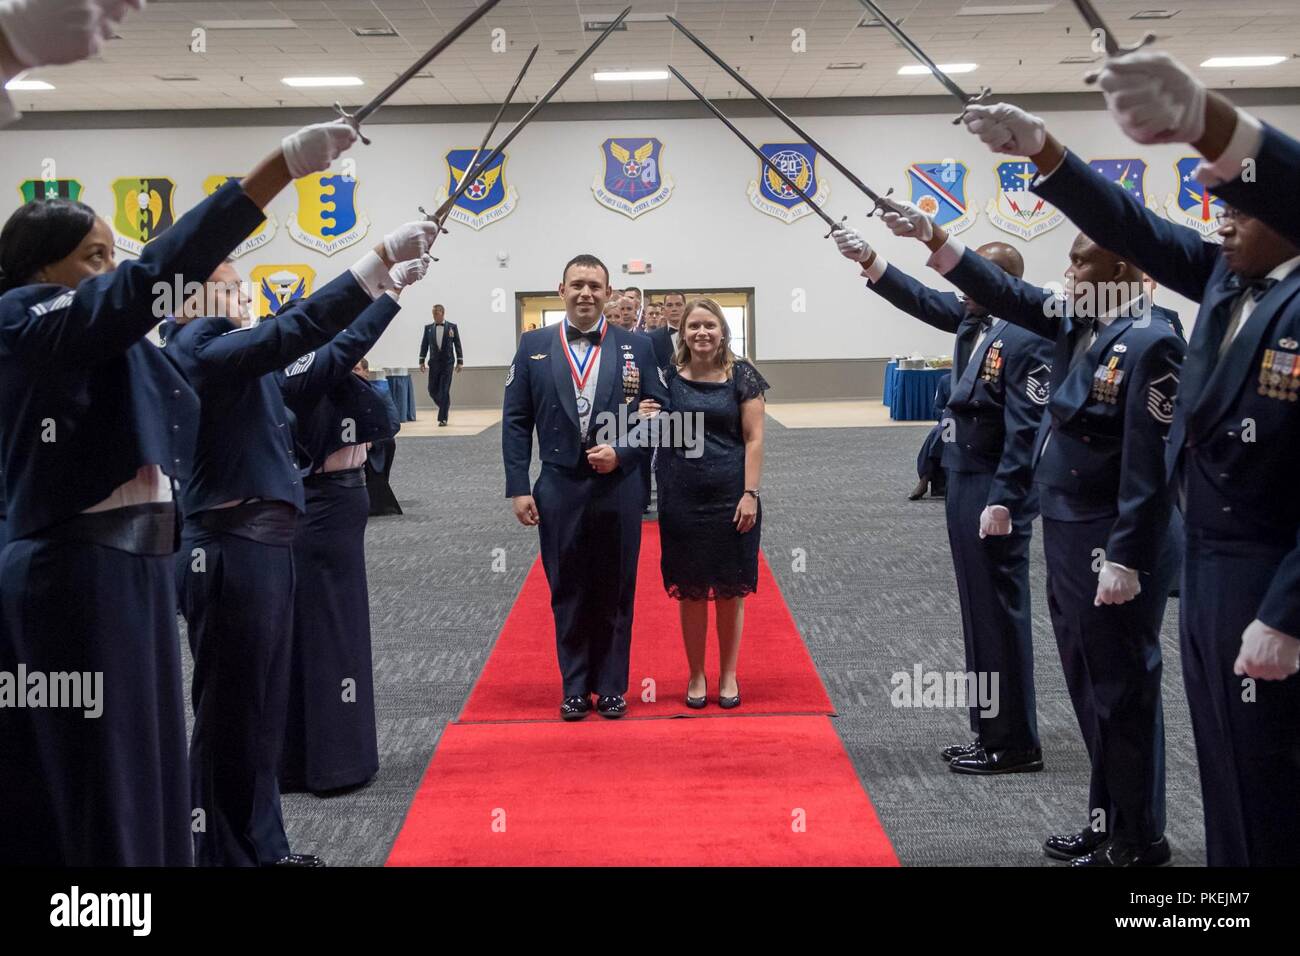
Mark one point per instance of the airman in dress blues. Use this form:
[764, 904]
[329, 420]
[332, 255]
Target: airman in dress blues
[446, 356]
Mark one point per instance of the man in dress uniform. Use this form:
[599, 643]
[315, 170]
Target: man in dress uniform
[1231, 457]
[235, 567]
[1106, 519]
[930, 473]
[567, 381]
[441, 343]
[664, 337]
[999, 388]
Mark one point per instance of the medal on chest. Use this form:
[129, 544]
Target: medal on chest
[1106, 381]
[1279, 375]
[631, 379]
[991, 368]
[580, 365]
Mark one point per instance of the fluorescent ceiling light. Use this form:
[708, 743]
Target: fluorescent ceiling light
[28, 85]
[1003, 9]
[917, 69]
[1224, 61]
[248, 24]
[846, 65]
[1153, 15]
[323, 81]
[611, 76]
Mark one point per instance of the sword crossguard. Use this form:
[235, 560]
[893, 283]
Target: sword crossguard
[1147, 40]
[351, 121]
[883, 204]
[979, 97]
[832, 232]
[431, 218]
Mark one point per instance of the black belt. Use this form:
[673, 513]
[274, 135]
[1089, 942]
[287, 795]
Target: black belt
[266, 522]
[347, 478]
[137, 529]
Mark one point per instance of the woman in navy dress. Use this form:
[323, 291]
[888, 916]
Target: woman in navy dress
[709, 514]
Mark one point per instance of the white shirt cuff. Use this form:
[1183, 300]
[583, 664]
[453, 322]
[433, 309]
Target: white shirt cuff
[392, 294]
[372, 274]
[946, 258]
[1244, 145]
[1042, 177]
[877, 268]
[8, 112]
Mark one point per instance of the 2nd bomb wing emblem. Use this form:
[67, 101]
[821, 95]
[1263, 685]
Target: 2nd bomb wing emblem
[1160, 398]
[1036, 384]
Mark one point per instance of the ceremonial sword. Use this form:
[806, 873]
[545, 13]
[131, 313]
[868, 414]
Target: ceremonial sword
[356, 119]
[1098, 26]
[760, 154]
[881, 202]
[967, 99]
[473, 174]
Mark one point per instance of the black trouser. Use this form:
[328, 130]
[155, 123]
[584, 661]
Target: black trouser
[440, 374]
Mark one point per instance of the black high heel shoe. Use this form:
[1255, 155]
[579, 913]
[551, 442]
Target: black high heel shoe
[698, 703]
[727, 703]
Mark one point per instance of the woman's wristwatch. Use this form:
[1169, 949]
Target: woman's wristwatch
[752, 491]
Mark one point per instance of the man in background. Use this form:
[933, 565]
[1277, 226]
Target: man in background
[441, 343]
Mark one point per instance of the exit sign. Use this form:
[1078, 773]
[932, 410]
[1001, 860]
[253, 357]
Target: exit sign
[636, 267]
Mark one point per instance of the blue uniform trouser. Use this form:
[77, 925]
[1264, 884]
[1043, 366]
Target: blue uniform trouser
[239, 611]
[993, 589]
[1247, 731]
[440, 374]
[590, 532]
[1111, 657]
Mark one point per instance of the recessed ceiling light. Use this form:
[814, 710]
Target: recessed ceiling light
[600, 26]
[175, 77]
[846, 66]
[1081, 58]
[322, 81]
[248, 24]
[612, 76]
[917, 69]
[1153, 14]
[28, 85]
[871, 21]
[1229, 61]
[1003, 9]
[374, 31]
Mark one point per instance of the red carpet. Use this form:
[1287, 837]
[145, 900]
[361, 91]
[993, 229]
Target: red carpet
[512, 785]
[521, 680]
[723, 792]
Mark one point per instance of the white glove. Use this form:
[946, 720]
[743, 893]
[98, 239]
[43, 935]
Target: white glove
[1267, 653]
[909, 221]
[410, 241]
[1153, 98]
[1004, 128]
[995, 520]
[852, 245]
[1116, 584]
[409, 272]
[313, 148]
[60, 31]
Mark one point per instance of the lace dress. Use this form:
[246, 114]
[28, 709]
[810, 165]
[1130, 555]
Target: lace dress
[703, 555]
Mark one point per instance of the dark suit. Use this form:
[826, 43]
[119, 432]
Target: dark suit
[442, 362]
[87, 402]
[929, 460]
[1273, 192]
[664, 341]
[1232, 457]
[997, 392]
[590, 525]
[1102, 495]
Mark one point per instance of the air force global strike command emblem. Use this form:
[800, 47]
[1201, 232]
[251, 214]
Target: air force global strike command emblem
[632, 180]
[487, 199]
[772, 197]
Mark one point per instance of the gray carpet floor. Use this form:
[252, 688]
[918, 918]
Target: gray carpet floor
[869, 580]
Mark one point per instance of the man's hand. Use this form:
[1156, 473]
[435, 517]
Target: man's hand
[908, 221]
[853, 246]
[410, 241]
[525, 510]
[423, 367]
[459, 366]
[408, 272]
[59, 31]
[1004, 128]
[1116, 584]
[602, 458]
[648, 408]
[1154, 98]
[1267, 653]
[313, 148]
[995, 521]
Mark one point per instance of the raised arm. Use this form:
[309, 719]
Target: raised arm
[943, 310]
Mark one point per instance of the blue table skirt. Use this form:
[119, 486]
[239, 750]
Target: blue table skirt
[403, 393]
[913, 395]
[891, 369]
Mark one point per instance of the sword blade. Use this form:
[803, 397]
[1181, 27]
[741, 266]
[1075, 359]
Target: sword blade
[776, 111]
[755, 150]
[1096, 24]
[360, 115]
[917, 52]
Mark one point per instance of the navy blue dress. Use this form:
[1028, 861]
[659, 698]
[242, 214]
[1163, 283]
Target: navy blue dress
[703, 555]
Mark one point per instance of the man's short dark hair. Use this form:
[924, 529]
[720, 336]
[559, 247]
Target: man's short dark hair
[667, 294]
[585, 259]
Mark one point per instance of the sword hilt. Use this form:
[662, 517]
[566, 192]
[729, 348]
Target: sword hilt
[351, 121]
[884, 204]
[833, 228]
[431, 218]
[1147, 40]
[971, 100]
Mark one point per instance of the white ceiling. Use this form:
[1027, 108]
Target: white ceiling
[1016, 54]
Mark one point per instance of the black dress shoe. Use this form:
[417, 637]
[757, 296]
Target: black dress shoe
[985, 762]
[960, 750]
[442, 424]
[698, 703]
[299, 859]
[1071, 846]
[575, 708]
[919, 491]
[1118, 853]
[611, 705]
[728, 703]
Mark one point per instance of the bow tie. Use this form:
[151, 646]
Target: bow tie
[1258, 288]
[572, 334]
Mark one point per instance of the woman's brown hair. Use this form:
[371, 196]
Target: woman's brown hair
[726, 358]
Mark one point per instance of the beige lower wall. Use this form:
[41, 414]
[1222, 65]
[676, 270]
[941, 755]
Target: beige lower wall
[791, 381]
